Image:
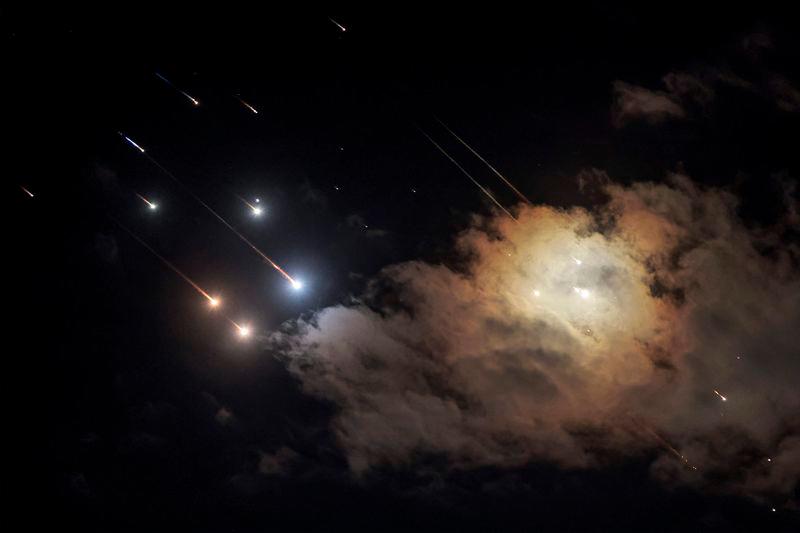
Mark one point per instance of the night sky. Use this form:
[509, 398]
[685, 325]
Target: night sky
[568, 366]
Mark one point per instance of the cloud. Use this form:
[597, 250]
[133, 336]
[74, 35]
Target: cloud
[685, 94]
[688, 88]
[224, 416]
[785, 95]
[277, 463]
[576, 337]
[632, 102]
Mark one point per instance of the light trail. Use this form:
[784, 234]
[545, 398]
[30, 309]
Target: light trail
[257, 210]
[213, 302]
[29, 193]
[666, 444]
[150, 204]
[130, 141]
[187, 95]
[242, 329]
[339, 25]
[248, 106]
[467, 174]
[485, 162]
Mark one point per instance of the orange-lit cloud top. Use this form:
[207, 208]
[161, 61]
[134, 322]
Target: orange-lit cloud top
[573, 335]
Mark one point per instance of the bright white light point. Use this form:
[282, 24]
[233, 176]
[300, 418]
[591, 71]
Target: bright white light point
[536, 293]
[577, 261]
[297, 285]
[583, 293]
[257, 211]
[244, 331]
[257, 200]
[153, 207]
[721, 397]
[769, 459]
[213, 302]
[773, 509]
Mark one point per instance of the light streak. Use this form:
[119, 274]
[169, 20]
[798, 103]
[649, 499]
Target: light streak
[467, 174]
[165, 80]
[339, 25]
[248, 106]
[130, 141]
[150, 204]
[485, 162]
[213, 302]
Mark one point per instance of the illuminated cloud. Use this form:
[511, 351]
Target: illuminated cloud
[503, 361]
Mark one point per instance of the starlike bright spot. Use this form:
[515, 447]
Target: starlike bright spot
[583, 293]
[536, 293]
[577, 261]
[297, 285]
[213, 302]
[257, 211]
[153, 207]
[244, 331]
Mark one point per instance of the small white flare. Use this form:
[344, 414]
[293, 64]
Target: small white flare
[339, 25]
[583, 293]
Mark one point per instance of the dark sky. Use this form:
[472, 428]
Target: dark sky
[134, 407]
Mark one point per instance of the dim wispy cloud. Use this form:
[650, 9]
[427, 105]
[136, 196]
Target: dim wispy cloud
[632, 102]
[686, 94]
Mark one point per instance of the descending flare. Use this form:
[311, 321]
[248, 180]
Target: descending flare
[257, 210]
[337, 24]
[248, 106]
[212, 301]
[150, 204]
[243, 330]
[130, 141]
[195, 102]
[29, 193]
